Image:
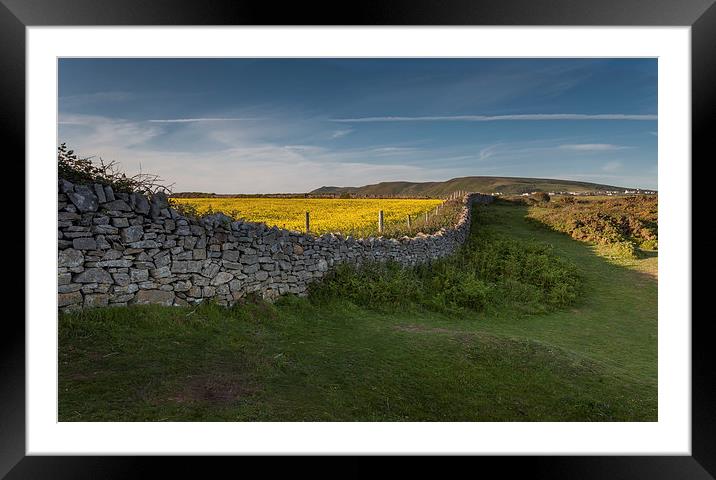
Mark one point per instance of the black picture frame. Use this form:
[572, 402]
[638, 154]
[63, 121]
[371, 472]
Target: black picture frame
[16, 15]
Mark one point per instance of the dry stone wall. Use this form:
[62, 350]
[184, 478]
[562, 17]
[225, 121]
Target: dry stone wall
[119, 249]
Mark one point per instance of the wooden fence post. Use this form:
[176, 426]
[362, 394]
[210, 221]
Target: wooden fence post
[409, 227]
[308, 222]
[380, 221]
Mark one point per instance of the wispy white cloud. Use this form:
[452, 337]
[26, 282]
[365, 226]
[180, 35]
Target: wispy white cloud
[341, 133]
[493, 118]
[488, 152]
[593, 147]
[389, 151]
[199, 120]
[96, 131]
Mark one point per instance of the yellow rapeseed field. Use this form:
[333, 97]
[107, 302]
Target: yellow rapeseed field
[357, 217]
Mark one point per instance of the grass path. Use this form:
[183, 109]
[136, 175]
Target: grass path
[616, 321]
[301, 361]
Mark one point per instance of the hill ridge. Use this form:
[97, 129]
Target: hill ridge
[484, 184]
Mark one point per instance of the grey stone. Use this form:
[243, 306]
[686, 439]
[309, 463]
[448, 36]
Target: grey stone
[70, 258]
[235, 285]
[249, 259]
[221, 278]
[210, 270]
[132, 234]
[144, 244]
[184, 255]
[119, 263]
[109, 193]
[96, 300]
[137, 275]
[161, 297]
[231, 265]
[121, 279]
[182, 286]
[158, 203]
[65, 299]
[83, 199]
[162, 272]
[67, 216]
[105, 230]
[117, 205]
[230, 255]
[64, 186]
[72, 287]
[139, 203]
[180, 267]
[94, 275]
[249, 269]
[84, 243]
[120, 222]
[112, 255]
[99, 191]
[162, 260]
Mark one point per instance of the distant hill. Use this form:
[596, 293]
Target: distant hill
[505, 185]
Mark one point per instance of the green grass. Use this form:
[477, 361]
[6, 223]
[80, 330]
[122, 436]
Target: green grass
[335, 359]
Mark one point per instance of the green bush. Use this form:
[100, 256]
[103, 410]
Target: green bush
[652, 244]
[489, 270]
[624, 249]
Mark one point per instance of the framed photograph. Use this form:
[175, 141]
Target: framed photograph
[419, 229]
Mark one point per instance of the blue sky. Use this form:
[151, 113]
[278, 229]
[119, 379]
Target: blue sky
[292, 125]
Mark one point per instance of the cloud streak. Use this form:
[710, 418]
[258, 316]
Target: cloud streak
[341, 133]
[198, 120]
[592, 147]
[497, 118]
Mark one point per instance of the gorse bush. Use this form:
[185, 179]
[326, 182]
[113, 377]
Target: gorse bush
[624, 224]
[83, 170]
[489, 270]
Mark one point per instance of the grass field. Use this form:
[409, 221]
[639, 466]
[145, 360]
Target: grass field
[357, 217]
[331, 358]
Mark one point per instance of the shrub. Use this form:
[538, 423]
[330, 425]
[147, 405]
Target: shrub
[622, 223]
[540, 197]
[650, 244]
[488, 270]
[625, 249]
[84, 171]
